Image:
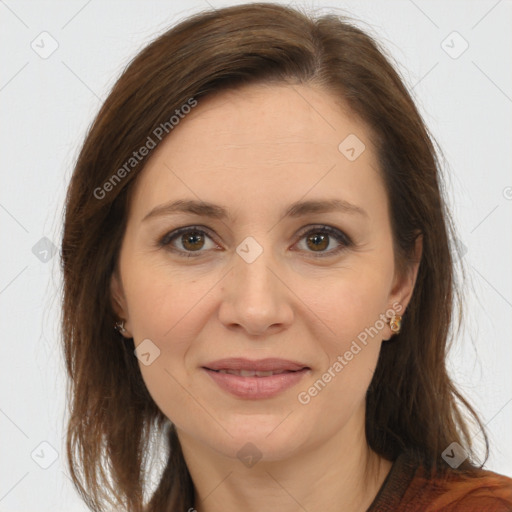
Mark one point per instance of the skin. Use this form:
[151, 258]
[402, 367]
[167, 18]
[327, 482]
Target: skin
[255, 151]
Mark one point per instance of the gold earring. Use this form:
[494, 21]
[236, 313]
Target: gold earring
[395, 323]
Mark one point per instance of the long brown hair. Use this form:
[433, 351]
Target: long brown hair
[411, 403]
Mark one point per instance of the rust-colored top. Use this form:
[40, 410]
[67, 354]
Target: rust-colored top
[407, 489]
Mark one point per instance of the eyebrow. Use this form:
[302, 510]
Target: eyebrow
[215, 211]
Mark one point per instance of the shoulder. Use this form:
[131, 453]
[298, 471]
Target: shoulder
[410, 488]
[484, 491]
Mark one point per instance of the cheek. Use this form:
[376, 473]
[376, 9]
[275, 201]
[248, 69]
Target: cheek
[161, 301]
[167, 308]
[352, 307]
[171, 322]
[352, 310]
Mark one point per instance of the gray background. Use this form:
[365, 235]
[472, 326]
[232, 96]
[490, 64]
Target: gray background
[48, 101]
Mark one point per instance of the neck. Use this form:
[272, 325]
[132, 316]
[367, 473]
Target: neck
[341, 473]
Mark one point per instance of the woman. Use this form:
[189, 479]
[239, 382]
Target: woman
[257, 211]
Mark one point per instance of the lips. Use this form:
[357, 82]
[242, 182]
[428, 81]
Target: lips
[252, 373]
[262, 365]
[252, 380]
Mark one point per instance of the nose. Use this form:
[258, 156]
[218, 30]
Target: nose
[256, 298]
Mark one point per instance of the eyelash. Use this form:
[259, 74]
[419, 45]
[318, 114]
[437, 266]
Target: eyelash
[339, 236]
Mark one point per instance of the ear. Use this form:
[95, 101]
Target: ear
[403, 286]
[118, 301]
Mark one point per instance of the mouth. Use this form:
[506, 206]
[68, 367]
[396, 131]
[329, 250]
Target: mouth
[252, 373]
[273, 365]
[248, 379]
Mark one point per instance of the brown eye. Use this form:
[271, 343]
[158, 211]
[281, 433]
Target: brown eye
[318, 241]
[188, 241]
[193, 240]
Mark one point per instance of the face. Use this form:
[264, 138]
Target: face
[288, 270]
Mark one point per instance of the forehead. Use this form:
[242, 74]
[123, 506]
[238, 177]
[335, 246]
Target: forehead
[265, 142]
[272, 115]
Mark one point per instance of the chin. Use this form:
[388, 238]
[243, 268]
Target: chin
[261, 436]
